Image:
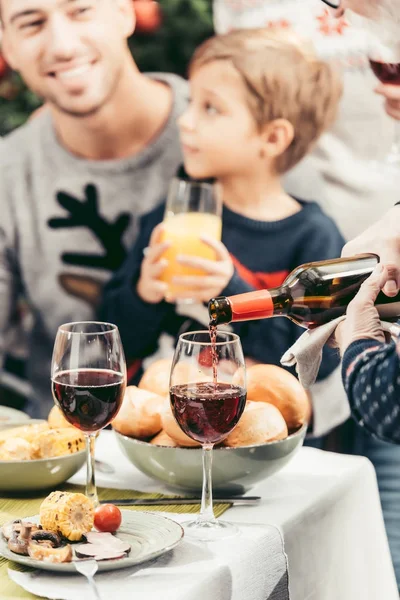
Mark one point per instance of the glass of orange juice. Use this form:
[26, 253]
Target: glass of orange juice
[193, 209]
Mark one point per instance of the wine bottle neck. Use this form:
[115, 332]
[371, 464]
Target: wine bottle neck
[260, 305]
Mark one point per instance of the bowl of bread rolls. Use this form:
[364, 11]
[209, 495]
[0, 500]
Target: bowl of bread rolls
[270, 431]
[40, 454]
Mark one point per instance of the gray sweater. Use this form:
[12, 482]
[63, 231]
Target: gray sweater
[66, 224]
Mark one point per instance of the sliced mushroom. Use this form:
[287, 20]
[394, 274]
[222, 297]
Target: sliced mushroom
[15, 526]
[8, 529]
[42, 552]
[19, 542]
[46, 538]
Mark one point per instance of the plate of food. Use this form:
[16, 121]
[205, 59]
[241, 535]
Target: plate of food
[11, 415]
[64, 532]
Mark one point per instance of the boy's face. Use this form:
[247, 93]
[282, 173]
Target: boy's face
[219, 135]
[70, 52]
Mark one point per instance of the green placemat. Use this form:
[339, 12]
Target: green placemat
[14, 508]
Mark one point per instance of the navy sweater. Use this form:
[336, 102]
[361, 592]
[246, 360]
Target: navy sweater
[263, 254]
[371, 377]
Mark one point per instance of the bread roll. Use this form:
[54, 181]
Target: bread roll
[56, 419]
[172, 428]
[261, 422]
[163, 439]
[156, 378]
[140, 413]
[269, 383]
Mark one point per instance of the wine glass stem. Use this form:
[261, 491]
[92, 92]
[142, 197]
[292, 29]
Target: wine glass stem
[91, 491]
[207, 512]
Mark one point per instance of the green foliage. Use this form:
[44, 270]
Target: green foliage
[186, 23]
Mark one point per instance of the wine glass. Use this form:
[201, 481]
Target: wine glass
[193, 207]
[88, 374]
[384, 59]
[208, 396]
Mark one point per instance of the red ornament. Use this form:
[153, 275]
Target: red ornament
[3, 67]
[148, 16]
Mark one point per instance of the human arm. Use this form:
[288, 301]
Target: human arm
[370, 367]
[383, 239]
[10, 280]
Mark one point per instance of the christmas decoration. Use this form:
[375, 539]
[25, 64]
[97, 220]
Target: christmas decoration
[148, 16]
[3, 67]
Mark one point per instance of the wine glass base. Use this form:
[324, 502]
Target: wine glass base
[209, 531]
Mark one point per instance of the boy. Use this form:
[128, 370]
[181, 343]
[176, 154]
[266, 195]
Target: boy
[258, 104]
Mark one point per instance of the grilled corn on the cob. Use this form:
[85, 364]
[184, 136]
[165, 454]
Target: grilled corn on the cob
[27, 432]
[16, 449]
[58, 442]
[71, 515]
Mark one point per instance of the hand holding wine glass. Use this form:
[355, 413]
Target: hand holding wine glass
[208, 396]
[88, 376]
[384, 58]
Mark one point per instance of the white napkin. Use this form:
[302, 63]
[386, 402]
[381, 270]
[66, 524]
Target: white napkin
[250, 566]
[306, 352]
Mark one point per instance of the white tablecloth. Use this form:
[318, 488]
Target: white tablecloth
[327, 507]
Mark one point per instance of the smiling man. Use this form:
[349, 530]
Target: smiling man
[74, 180]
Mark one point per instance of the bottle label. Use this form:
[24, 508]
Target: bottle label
[253, 305]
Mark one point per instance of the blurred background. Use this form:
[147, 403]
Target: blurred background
[167, 33]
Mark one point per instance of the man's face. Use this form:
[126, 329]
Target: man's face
[70, 52]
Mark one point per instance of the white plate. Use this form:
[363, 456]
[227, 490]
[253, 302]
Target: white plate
[12, 415]
[149, 534]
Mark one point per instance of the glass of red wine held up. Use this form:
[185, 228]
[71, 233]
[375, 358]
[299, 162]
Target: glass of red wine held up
[208, 396]
[88, 376]
[384, 59]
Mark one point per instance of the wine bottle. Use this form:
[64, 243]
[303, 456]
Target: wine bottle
[311, 295]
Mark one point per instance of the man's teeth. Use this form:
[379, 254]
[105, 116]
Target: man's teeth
[76, 72]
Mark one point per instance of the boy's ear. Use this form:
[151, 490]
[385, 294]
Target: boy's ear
[277, 136]
[127, 12]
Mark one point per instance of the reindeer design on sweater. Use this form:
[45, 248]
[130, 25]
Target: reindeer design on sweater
[85, 213]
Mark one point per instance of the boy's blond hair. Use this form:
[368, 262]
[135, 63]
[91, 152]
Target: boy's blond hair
[283, 78]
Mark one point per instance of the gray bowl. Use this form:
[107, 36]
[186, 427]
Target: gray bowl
[40, 474]
[234, 469]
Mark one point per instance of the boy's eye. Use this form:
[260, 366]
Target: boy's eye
[211, 109]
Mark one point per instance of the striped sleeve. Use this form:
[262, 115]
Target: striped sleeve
[371, 377]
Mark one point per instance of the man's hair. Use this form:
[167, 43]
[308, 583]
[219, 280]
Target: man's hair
[283, 79]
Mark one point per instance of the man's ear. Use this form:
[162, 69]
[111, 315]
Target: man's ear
[277, 135]
[128, 17]
[7, 51]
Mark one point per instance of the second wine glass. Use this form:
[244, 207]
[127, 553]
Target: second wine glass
[208, 396]
[88, 375]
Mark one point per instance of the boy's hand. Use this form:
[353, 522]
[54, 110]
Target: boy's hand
[149, 288]
[217, 274]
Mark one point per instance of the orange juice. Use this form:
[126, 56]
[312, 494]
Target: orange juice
[184, 231]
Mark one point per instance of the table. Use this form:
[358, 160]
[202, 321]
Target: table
[327, 507]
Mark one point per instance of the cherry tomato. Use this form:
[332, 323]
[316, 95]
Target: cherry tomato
[107, 517]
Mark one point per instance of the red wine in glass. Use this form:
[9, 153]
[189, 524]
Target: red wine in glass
[207, 412]
[387, 73]
[89, 398]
